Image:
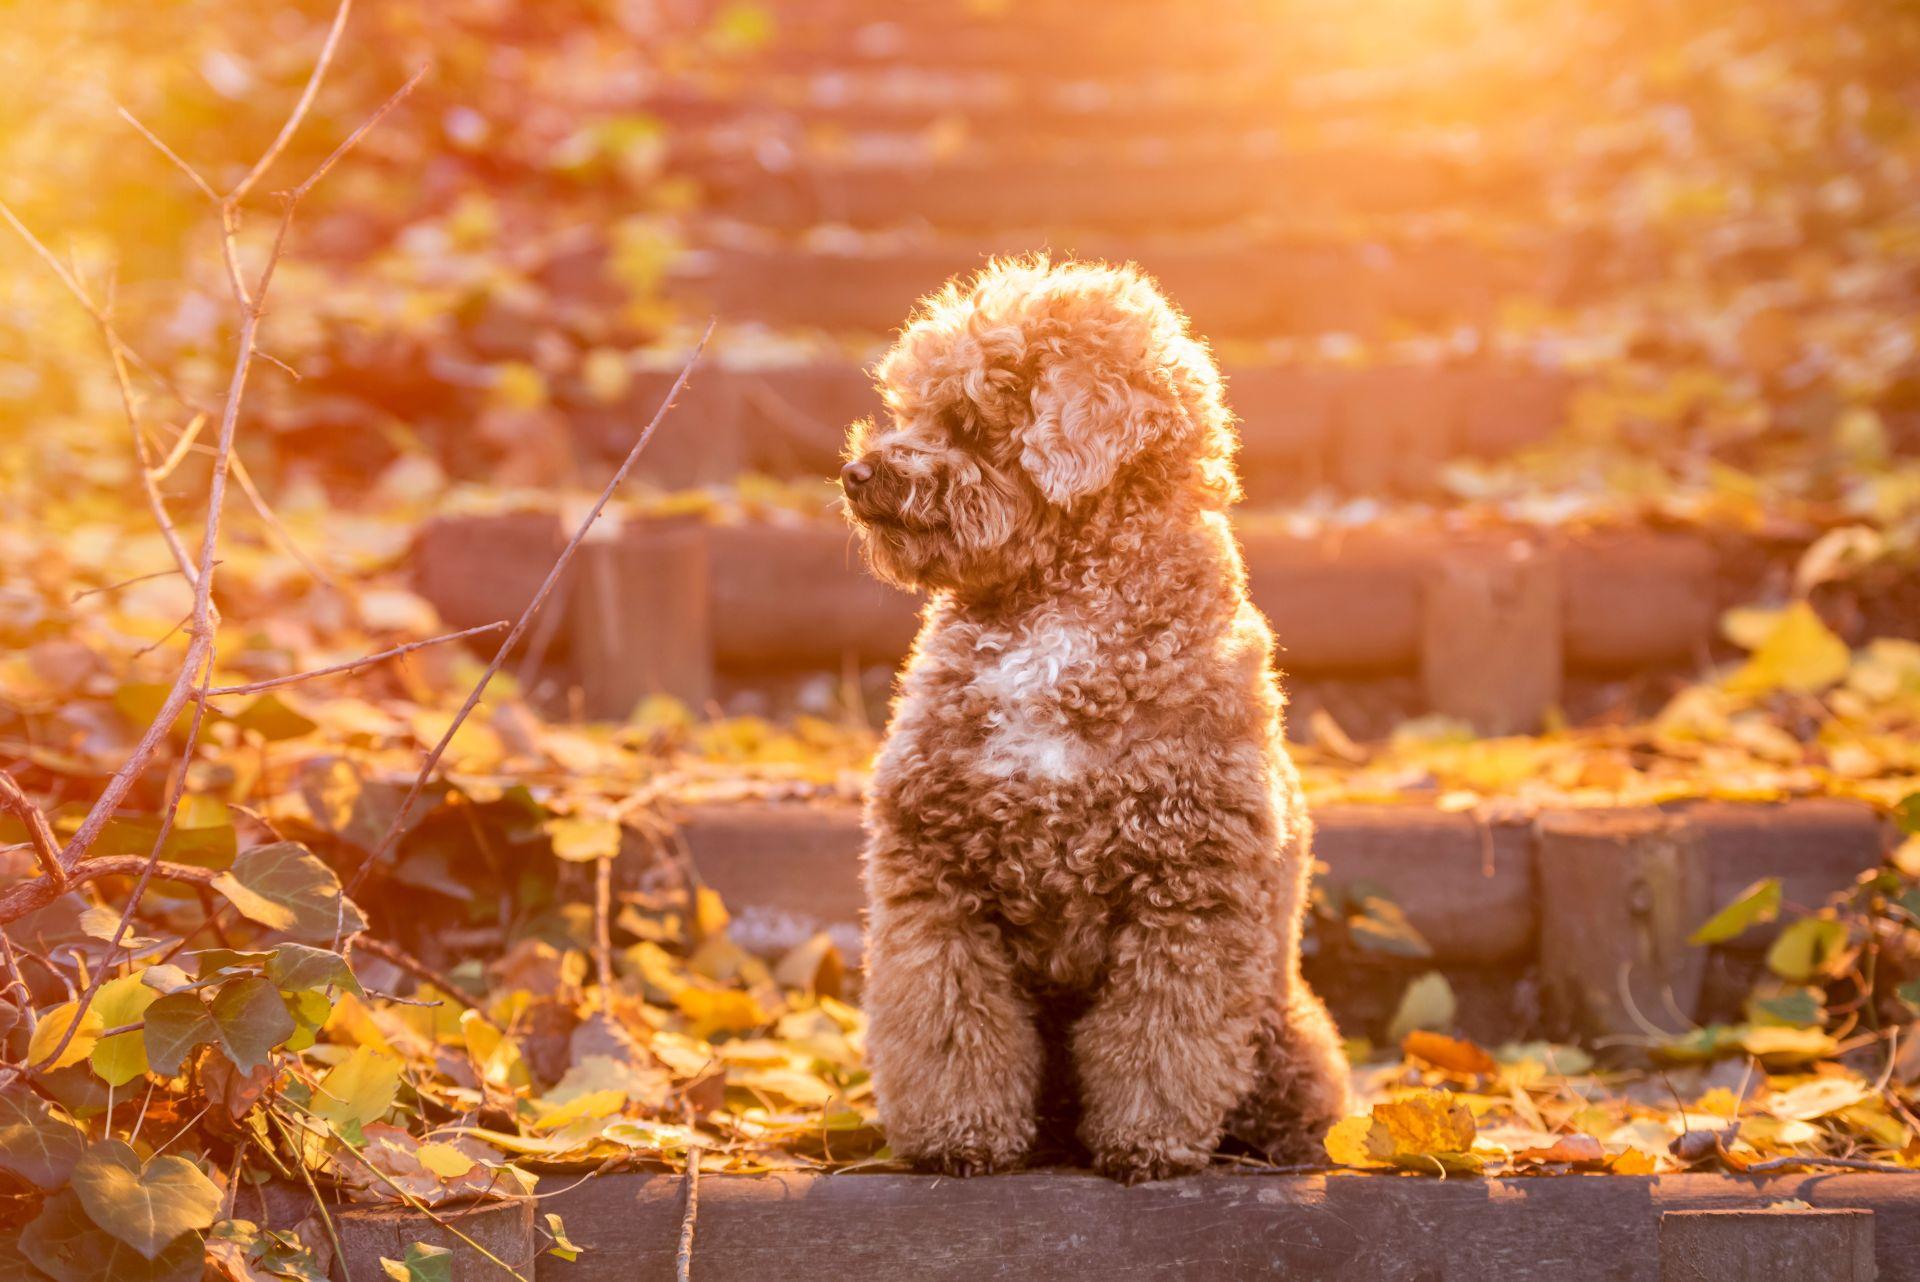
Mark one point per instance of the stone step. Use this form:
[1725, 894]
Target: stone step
[769, 179]
[1069, 1226]
[1231, 285]
[1383, 429]
[1486, 624]
[1470, 884]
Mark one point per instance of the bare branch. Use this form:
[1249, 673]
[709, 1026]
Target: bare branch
[683, 1250]
[554, 575]
[46, 848]
[280, 533]
[115, 586]
[421, 972]
[181, 445]
[197, 666]
[353, 665]
[352, 140]
[28, 896]
[300, 107]
[192, 174]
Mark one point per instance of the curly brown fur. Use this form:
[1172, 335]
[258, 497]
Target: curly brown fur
[1083, 800]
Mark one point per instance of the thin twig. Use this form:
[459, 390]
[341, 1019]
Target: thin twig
[16, 980]
[300, 107]
[421, 972]
[181, 444]
[175, 794]
[319, 1204]
[404, 1195]
[603, 927]
[197, 666]
[193, 175]
[46, 847]
[115, 586]
[683, 1253]
[353, 665]
[1846, 1163]
[554, 575]
[276, 527]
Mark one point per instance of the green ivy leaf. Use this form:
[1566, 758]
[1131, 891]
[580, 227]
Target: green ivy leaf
[1758, 903]
[35, 1144]
[67, 1246]
[424, 1263]
[286, 888]
[252, 1020]
[176, 1024]
[146, 1205]
[300, 966]
[1907, 814]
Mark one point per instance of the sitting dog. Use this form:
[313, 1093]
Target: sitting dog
[1087, 849]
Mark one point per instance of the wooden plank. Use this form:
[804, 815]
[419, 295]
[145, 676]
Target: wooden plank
[1762, 1245]
[1057, 1226]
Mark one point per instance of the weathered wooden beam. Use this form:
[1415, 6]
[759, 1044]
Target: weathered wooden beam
[1056, 1226]
[1490, 642]
[1770, 1244]
[640, 617]
[1620, 890]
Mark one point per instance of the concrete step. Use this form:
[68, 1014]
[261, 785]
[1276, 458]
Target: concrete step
[1068, 1226]
[1385, 429]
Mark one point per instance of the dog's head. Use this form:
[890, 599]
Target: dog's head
[1022, 402]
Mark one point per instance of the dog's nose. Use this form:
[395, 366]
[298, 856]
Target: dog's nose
[856, 474]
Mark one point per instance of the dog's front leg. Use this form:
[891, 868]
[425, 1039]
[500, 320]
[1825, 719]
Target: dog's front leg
[951, 1038]
[1167, 1048]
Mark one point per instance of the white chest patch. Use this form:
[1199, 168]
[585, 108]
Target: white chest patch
[1021, 674]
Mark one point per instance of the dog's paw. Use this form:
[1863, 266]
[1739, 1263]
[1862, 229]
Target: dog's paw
[971, 1150]
[1142, 1160]
[972, 1158]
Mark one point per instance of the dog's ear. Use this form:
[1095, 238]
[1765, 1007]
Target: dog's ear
[1087, 422]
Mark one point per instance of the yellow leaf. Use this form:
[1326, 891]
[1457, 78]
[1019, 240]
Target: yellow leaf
[1799, 654]
[54, 1025]
[720, 1011]
[1428, 1123]
[444, 1160]
[121, 1058]
[583, 838]
[1346, 1142]
[594, 1104]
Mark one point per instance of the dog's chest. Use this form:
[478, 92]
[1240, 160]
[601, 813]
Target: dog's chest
[1018, 685]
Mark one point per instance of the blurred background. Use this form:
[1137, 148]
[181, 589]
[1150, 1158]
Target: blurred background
[1574, 344]
[1629, 285]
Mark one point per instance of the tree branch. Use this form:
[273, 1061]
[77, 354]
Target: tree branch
[399, 824]
[299, 112]
[46, 847]
[353, 665]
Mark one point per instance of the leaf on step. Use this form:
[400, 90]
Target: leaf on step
[1452, 1054]
[1758, 903]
